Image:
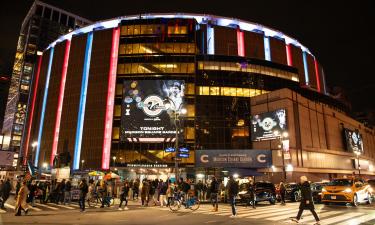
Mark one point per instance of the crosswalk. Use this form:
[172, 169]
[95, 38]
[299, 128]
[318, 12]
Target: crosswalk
[43, 207]
[283, 214]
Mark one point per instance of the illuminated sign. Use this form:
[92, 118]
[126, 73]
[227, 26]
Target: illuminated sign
[269, 125]
[354, 142]
[170, 149]
[183, 155]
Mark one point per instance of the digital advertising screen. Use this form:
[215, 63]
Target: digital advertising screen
[263, 126]
[148, 110]
[353, 139]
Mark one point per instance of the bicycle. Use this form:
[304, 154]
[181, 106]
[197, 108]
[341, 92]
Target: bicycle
[177, 201]
[96, 198]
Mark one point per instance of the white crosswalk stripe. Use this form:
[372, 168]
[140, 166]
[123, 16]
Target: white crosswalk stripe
[62, 206]
[46, 206]
[2, 211]
[342, 218]
[358, 220]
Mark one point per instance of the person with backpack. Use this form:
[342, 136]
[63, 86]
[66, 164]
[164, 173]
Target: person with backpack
[124, 196]
[232, 192]
[214, 190]
[84, 189]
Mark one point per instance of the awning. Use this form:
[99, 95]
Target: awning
[243, 172]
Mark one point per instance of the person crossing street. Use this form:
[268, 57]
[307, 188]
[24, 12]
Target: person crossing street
[124, 196]
[233, 188]
[83, 192]
[214, 190]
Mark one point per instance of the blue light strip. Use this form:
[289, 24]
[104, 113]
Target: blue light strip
[82, 102]
[267, 50]
[45, 95]
[210, 40]
[305, 68]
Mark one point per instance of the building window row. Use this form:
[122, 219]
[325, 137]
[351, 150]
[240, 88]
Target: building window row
[134, 68]
[157, 48]
[150, 29]
[250, 68]
[229, 91]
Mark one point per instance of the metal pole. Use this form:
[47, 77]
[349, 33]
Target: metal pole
[176, 146]
[359, 166]
[282, 158]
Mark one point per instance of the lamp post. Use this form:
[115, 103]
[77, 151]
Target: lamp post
[33, 145]
[281, 137]
[82, 162]
[114, 160]
[358, 153]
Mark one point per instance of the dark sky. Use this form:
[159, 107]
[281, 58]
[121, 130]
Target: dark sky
[340, 35]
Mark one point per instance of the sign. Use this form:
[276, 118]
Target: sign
[183, 155]
[146, 165]
[61, 173]
[184, 150]
[6, 158]
[170, 149]
[148, 110]
[265, 125]
[286, 151]
[238, 158]
[353, 139]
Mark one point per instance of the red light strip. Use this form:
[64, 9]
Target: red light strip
[317, 75]
[289, 55]
[240, 43]
[110, 99]
[32, 109]
[60, 102]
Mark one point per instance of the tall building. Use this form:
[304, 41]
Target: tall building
[114, 94]
[42, 25]
[4, 87]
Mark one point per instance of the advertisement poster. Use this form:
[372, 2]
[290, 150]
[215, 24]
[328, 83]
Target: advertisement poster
[148, 110]
[353, 140]
[263, 126]
[233, 158]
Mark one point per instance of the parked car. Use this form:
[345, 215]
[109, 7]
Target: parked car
[293, 192]
[347, 190]
[264, 191]
[372, 188]
[316, 190]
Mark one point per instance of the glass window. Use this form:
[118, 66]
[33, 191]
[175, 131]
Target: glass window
[118, 89]
[39, 10]
[47, 13]
[116, 133]
[55, 16]
[136, 29]
[71, 22]
[117, 111]
[190, 89]
[63, 18]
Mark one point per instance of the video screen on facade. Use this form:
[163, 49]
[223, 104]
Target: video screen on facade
[148, 110]
[265, 125]
[353, 139]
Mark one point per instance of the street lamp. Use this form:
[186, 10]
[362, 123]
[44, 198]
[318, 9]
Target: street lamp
[45, 165]
[82, 162]
[114, 160]
[358, 153]
[177, 113]
[33, 145]
[280, 146]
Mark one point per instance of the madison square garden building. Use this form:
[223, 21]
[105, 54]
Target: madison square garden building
[239, 96]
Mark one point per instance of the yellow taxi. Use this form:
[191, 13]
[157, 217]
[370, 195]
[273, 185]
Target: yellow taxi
[347, 190]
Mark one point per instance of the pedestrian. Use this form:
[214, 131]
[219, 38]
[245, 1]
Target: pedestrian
[82, 195]
[233, 188]
[61, 192]
[5, 192]
[170, 191]
[18, 187]
[32, 191]
[163, 193]
[204, 191]
[67, 193]
[136, 188]
[214, 189]
[306, 201]
[199, 188]
[152, 192]
[21, 203]
[282, 191]
[145, 192]
[104, 194]
[251, 191]
[124, 196]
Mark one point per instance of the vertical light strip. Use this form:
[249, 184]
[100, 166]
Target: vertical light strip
[317, 75]
[289, 57]
[240, 43]
[210, 40]
[267, 50]
[60, 101]
[82, 102]
[31, 115]
[305, 67]
[324, 82]
[45, 95]
[110, 99]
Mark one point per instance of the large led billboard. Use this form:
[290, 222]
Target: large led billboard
[269, 125]
[353, 141]
[148, 110]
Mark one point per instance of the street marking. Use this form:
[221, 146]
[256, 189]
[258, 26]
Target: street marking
[9, 206]
[358, 220]
[2, 211]
[47, 206]
[62, 206]
[342, 218]
[310, 218]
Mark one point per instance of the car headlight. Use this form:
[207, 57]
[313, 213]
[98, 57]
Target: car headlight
[324, 190]
[348, 190]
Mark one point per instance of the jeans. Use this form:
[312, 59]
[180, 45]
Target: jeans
[123, 198]
[311, 210]
[214, 200]
[82, 199]
[232, 201]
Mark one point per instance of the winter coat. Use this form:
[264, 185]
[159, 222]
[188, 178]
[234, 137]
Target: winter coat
[214, 188]
[145, 190]
[306, 196]
[233, 188]
[22, 197]
[6, 188]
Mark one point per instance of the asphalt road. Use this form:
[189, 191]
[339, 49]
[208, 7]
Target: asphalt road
[264, 214]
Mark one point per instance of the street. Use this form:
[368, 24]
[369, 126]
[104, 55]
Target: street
[263, 214]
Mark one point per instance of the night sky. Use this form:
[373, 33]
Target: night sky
[340, 35]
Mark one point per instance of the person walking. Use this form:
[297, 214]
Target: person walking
[214, 190]
[124, 196]
[251, 190]
[233, 188]
[67, 193]
[282, 190]
[104, 194]
[136, 189]
[306, 201]
[145, 192]
[5, 192]
[170, 192]
[21, 203]
[199, 189]
[163, 193]
[84, 189]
